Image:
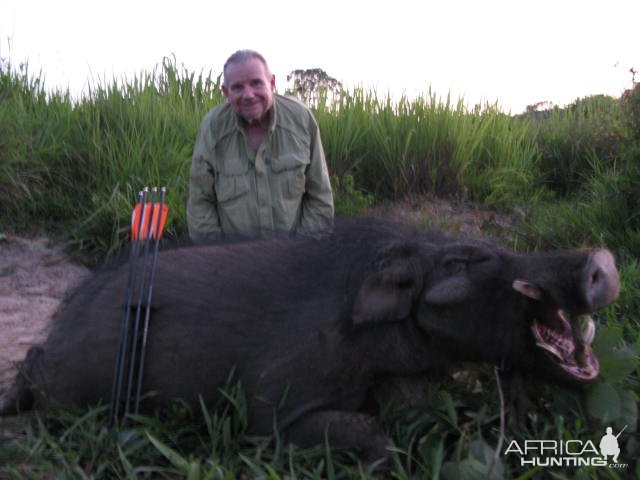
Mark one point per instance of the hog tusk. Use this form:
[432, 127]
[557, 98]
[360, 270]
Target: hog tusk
[584, 331]
[588, 331]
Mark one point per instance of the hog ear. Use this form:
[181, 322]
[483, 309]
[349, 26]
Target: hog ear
[450, 291]
[386, 296]
[528, 289]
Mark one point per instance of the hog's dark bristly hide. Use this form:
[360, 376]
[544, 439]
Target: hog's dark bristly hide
[310, 325]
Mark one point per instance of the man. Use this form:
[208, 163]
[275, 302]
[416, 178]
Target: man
[609, 445]
[258, 165]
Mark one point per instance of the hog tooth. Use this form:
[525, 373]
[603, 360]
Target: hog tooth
[581, 357]
[589, 331]
[551, 349]
[546, 339]
[583, 329]
[581, 339]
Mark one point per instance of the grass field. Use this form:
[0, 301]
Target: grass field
[565, 178]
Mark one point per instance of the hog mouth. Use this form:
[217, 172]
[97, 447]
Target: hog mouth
[566, 341]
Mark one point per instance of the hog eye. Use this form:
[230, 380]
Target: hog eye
[455, 265]
[459, 263]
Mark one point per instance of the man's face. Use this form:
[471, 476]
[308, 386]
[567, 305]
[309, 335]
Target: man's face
[249, 89]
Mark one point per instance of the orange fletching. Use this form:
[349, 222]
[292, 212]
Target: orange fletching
[140, 228]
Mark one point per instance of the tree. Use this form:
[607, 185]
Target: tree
[313, 84]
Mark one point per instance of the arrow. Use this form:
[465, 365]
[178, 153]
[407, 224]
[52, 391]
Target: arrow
[159, 227]
[147, 222]
[141, 219]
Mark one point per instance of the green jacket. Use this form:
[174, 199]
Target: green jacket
[283, 187]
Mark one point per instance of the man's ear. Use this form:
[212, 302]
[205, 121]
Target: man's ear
[387, 295]
[273, 83]
[225, 91]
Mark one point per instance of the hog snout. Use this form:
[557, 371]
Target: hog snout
[600, 280]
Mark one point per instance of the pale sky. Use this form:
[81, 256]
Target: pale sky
[515, 52]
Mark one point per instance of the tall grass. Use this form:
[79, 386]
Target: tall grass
[75, 167]
[589, 133]
[427, 145]
[606, 211]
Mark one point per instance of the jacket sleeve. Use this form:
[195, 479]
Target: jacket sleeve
[202, 207]
[317, 201]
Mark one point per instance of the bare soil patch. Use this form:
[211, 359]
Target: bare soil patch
[464, 219]
[35, 276]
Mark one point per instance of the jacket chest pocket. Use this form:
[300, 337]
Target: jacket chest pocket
[289, 174]
[232, 183]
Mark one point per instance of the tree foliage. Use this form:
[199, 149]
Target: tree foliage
[312, 85]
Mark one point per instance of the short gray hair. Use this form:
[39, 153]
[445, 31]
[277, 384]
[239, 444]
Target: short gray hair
[243, 56]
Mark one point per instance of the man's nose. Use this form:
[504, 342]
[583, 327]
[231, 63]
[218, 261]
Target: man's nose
[248, 93]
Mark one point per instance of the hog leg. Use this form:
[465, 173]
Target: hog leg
[352, 430]
[20, 396]
[518, 399]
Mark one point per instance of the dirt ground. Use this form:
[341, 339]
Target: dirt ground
[35, 276]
